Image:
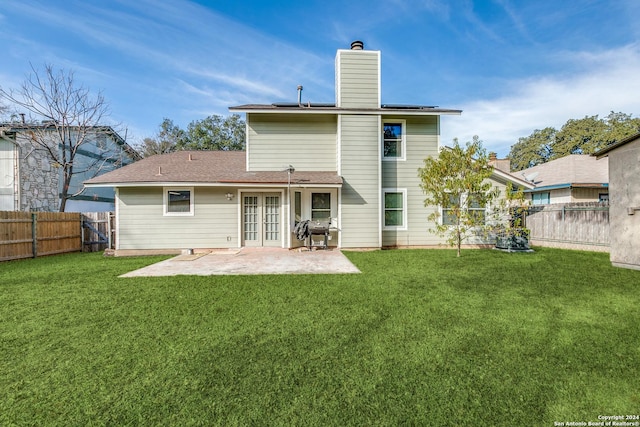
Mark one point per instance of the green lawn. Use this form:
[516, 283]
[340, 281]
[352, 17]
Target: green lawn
[419, 338]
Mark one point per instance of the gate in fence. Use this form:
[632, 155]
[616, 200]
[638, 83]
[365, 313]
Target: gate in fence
[98, 231]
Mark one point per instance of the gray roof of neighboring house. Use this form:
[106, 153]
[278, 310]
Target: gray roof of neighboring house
[574, 170]
[205, 167]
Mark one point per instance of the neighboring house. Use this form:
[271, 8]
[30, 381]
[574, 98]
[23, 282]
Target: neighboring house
[29, 181]
[570, 179]
[353, 164]
[624, 204]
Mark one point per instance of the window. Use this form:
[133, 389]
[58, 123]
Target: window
[178, 201]
[320, 206]
[476, 210]
[448, 212]
[297, 207]
[395, 202]
[393, 140]
[541, 198]
[474, 207]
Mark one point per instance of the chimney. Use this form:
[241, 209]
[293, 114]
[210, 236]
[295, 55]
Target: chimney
[299, 94]
[357, 45]
[503, 165]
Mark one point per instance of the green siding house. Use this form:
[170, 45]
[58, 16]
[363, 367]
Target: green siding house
[352, 164]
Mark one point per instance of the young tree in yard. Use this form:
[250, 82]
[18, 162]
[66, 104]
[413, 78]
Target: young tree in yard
[63, 116]
[457, 182]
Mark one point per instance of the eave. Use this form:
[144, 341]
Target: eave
[323, 109]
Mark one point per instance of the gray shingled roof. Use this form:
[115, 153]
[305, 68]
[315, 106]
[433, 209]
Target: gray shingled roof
[574, 169]
[222, 167]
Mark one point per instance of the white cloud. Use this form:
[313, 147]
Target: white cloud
[607, 81]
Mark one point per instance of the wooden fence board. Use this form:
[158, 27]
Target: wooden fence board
[27, 235]
[571, 225]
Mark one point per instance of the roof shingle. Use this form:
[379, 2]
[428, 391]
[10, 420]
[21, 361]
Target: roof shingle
[224, 167]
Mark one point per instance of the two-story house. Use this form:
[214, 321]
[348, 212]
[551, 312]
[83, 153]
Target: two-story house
[31, 181]
[352, 164]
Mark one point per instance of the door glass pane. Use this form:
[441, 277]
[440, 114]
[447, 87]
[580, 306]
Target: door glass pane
[250, 213]
[272, 218]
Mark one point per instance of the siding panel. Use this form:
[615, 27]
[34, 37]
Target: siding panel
[141, 224]
[358, 74]
[421, 142]
[308, 142]
[360, 154]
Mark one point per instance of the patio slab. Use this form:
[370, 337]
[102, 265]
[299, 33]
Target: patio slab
[251, 261]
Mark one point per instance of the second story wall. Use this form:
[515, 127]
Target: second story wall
[305, 141]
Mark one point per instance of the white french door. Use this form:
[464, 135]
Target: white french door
[261, 219]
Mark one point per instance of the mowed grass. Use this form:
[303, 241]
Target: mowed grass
[419, 338]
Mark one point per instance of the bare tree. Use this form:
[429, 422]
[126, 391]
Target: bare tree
[63, 116]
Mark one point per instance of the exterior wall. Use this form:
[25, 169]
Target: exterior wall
[579, 195]
[421, 142]
[574, 195]
[359, 141]
[9, 191]
[624, 192]
[39, 178]
[358, 79]
[306, 141]
[99, 155]
[141, 224]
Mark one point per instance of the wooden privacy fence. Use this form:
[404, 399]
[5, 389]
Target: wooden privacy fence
[572, 226]
[28, 235]
[33, 234]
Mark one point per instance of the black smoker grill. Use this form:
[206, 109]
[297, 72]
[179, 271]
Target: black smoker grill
[318, 228]
[307, 229]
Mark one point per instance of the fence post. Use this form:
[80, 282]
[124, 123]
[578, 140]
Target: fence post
[109, 231]
[34, 234]
[82, 231]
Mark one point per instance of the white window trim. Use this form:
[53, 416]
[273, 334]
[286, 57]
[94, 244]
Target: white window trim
[403, 124]
[404, 225]
[165, 201]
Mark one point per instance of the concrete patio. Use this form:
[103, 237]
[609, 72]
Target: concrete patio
[251, 261]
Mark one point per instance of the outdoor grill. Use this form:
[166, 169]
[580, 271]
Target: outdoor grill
[319, 228]
[308, 228]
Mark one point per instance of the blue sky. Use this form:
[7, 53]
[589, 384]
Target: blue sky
[513, 66]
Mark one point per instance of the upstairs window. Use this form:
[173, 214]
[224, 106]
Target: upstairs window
[393, 140]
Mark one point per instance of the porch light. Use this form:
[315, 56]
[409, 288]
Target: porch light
[229, 196]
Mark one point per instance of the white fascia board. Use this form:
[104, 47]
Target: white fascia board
[319, 110]
[211, 184]
[508, 177]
